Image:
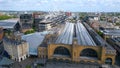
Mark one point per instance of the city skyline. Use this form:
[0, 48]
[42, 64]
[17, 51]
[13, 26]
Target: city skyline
[61, 5]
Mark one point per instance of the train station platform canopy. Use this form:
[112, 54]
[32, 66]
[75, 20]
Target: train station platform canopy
[75, 30]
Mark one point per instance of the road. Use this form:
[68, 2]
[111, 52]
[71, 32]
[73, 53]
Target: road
[68, 65]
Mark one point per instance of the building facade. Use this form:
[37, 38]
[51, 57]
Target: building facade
[44, 25]
[77, 53]
[75, 44]
[26, 22]
[26, 18]
[17, 49]
[1, 41]
[42, 52]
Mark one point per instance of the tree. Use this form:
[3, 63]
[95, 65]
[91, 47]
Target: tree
[3, 17]
[28, 66]
[117, 24]
[29, 31]
[100, 33]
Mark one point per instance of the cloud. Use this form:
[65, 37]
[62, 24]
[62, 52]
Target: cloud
[71, 5]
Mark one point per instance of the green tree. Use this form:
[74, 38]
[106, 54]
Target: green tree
[82, 15]
[28, 66]
[3, 17]
[100, 33]
[29, 31]
[118, 24]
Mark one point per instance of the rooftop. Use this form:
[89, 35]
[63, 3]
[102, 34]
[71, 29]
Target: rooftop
[9, 23]
[106, 24]
[34, 40]
[12, 41]
[75, 30]
[113, 32]
[45, 21]
[99, 41]
[116, 39]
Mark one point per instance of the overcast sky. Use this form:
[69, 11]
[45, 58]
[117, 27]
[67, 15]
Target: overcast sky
[65, 5]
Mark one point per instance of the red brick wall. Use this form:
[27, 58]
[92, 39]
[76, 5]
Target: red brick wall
[1, 33]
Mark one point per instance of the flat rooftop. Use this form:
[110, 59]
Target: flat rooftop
[45, 21]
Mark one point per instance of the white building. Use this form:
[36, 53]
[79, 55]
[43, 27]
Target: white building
[96, 18]
[17, 49]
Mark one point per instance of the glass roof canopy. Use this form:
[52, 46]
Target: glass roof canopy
[82, 35]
